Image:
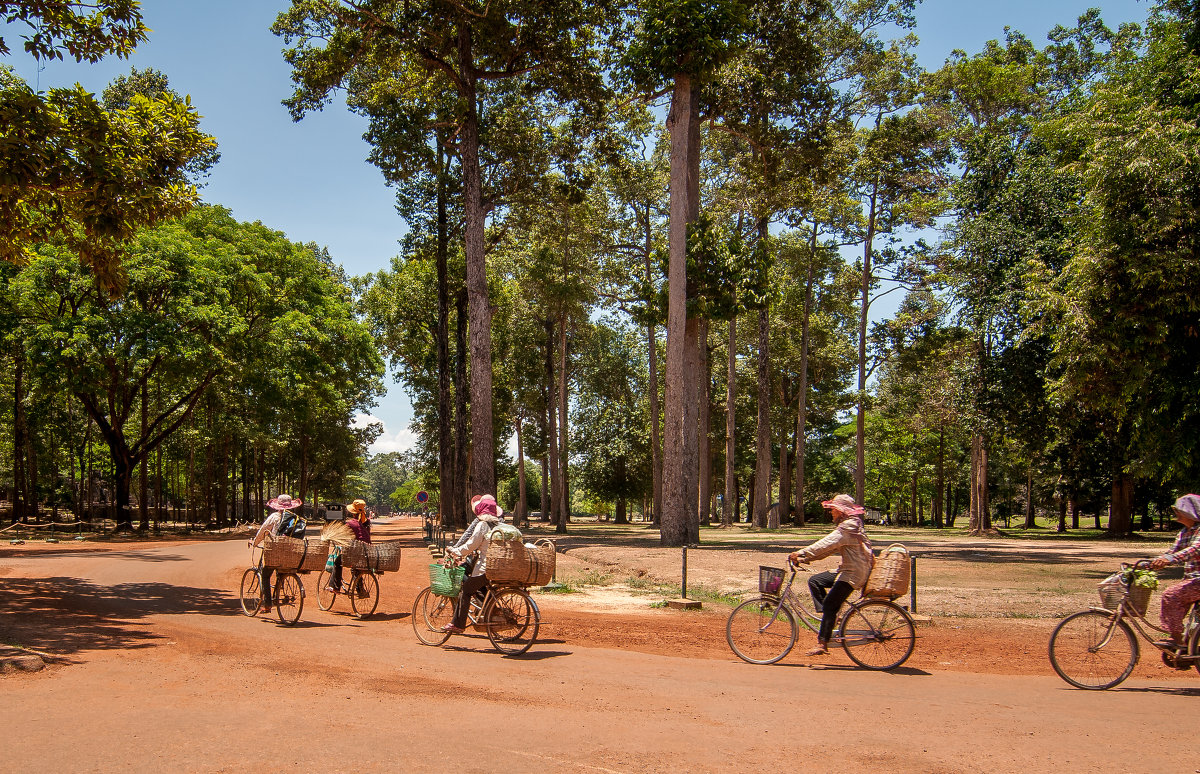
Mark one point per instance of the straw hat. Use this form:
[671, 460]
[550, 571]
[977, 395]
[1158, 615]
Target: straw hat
[358, 507]
[845, 505]
[284, 502]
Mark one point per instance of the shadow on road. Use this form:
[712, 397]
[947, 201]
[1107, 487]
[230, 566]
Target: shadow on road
[67, 615]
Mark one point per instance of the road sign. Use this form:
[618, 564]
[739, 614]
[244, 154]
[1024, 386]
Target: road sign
[422, 496]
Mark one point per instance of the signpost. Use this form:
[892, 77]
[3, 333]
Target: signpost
[422, 496]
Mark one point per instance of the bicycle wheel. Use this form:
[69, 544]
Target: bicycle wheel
[429, 614]
[289, 598]
[757, 635]
[364, 593]
[251, 592]
[512, 621]
[325, 597]
[877, 634]
[1082, 656]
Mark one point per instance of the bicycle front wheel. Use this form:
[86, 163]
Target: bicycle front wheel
[877, 634]
[289, 598]
[1089, 652]
[251, 592]
[757, 635]
[325, 596]
[364, 593]
[512, 620]
[429, 614]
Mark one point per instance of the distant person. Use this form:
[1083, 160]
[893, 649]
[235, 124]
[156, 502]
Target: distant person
[283, 504]
[358, 519]
[1186, 551]
[830, 589]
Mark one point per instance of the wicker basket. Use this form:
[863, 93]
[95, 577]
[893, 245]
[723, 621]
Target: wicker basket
[295, 555]
[1111, 595]
[890, 573]
[445, 581]
[377, 557]
[510, 561]
[770, 580]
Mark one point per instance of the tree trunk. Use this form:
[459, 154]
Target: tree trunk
[441, 336]
[861, 420]
[655, 434]
[802, 390]
[144, 472]
[939, 483]
[783, 513]
[1120, 518]
[21, 495]
[564, 452]
[704, 446]
[1029, 520]
[483, 452]
[522, 502]
[981, 519]
[552, 427]
[727, 513]
[678, 437]
[762, 467]
[458, 503]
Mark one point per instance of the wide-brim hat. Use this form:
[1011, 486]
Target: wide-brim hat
[487, 506]
[284, 502]
[358, 506]
[845, 504]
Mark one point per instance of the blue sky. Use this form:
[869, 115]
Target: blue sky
[310, 179]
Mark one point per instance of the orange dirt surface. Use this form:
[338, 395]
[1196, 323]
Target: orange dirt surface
[152, 667]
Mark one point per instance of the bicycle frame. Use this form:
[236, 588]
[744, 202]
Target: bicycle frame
[1127, 612]
[791, 600]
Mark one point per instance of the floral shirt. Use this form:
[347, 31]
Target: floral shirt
[1187, 551]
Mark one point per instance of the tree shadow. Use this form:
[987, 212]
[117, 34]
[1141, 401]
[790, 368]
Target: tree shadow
[67, 615]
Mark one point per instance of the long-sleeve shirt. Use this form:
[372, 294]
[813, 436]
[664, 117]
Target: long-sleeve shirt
[1186, 551]
[849, 538]
[361, 529]
[472, 541]
[270, 526]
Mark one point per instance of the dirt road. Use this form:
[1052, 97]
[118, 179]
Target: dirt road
[157, 671]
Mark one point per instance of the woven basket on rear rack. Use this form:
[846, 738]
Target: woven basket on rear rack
[294, 554]
[510, 561]
[890, 574]
[377, 557]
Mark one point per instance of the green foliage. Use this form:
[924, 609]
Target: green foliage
[689, 37]
[86, 31]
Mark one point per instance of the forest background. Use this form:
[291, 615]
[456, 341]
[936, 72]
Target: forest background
[670, 317]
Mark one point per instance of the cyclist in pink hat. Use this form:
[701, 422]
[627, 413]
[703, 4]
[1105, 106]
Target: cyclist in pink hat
[830, 589]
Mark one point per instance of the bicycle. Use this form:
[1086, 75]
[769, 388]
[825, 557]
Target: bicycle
[876, 633]
[507, 613]
[287, 596]
[363, 582]
[1095, 649]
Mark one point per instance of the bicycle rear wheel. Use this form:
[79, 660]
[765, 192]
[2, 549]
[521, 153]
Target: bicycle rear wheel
[512, 620]
[251, 592]
[289, 598]
[325, 597]
[364, 593]
[429, 614]
[757, 635]
[877, 634]
[1084, 654]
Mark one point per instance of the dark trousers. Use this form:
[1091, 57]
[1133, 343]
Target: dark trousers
[470, 585]
[264, 583]
[335, 577]
[828, 595]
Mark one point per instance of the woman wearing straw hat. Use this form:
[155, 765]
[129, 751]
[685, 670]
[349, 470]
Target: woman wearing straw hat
[279, 506]
[488, 514]
[359, 522]
[830, 589]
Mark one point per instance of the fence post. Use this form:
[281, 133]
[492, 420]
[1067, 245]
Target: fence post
[912, 586]
[683, 591]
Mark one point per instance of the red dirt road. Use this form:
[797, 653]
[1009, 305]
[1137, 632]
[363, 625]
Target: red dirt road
[157, 671]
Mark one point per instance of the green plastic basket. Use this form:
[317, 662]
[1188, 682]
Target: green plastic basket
[445, 581]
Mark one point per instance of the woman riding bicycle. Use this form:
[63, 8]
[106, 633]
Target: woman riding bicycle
[488, 514]
[270, 526]
[359, 523]
[1186, 551]
[829, 589]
